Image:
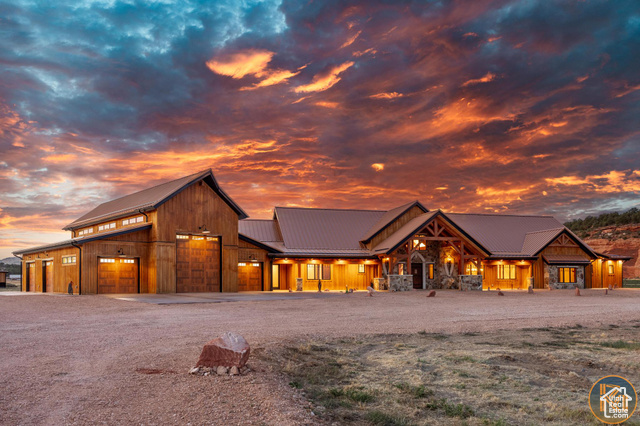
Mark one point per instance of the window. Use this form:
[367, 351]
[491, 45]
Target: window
[611, 269]
[100, 228]
[429, 271]
[400, 268]
[197, 238]
[419, 245]
[139, 219]
[506, 272]
[85, 232]
[108, 226]
[105, 260]
[318, 272]
[127, 261]
[125, 222]
[255, 265]
[471, 269]
[112, 225]
[132, 220]
[242, 264]
[212, 238]
[182, 237]
[361, 268]
[68, 260]
[566, 275]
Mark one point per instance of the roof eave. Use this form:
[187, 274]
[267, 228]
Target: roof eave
[260, 244]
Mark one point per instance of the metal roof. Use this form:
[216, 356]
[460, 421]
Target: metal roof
[614, 256]
[324, 229]
[536, 241]
[85, 239]
[263, 230]
[151, 198]
[389, 217]
[570, 259]
[503, 233]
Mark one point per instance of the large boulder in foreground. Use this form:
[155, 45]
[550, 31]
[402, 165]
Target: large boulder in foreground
[228, 350]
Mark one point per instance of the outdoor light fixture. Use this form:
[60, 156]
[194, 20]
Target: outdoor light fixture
[203, 229]
[121, 252]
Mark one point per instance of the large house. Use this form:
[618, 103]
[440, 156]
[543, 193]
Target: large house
[188, 235]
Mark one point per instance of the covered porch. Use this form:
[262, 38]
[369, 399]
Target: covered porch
[332, 273]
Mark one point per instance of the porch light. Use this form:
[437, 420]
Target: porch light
[121, 252]
[203, 229]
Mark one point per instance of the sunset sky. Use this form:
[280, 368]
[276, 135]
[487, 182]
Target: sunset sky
[478, 106]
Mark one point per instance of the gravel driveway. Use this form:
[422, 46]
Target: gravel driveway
[86, 360]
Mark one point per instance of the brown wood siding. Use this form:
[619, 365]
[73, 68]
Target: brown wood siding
[394, 226]
[60, 274]
[134, 246]
[195, 206]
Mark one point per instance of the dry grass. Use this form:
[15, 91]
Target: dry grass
[531, 376]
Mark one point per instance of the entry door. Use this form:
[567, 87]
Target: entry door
[197, 264]
[117, 275]
[31, 276]
[47, 277]
[275, 277]
[416, 271]
[249, 276]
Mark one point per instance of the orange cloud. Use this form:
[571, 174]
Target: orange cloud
[378, 167]
[386, 95]
[250, 62]
[324, 81]
[350, 40]
[612, 182]
[487, 78]
[325, 104]
[240, 64]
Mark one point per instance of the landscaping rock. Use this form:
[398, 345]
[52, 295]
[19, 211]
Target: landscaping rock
[234, 371]
[228, 350]
[432, 293]
[194, 370]
[371, 291]
[530, 290]
[500, 293]
[222, 370]
[577, 291]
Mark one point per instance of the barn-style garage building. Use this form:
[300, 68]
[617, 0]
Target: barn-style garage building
[188, 235]
[181, 236]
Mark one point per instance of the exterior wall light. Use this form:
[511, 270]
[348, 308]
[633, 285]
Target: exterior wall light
[203, 229]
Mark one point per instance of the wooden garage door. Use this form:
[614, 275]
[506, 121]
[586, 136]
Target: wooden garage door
[249, 276]
[116, 275]
[197, 264]
[31, 276]
[47, 276]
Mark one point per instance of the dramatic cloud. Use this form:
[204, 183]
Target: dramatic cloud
[484, 106]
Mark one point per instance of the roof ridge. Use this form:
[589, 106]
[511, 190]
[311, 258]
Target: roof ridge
[323, 208]
[500, 214]
[546, 230]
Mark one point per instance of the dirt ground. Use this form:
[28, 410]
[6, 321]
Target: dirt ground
[86, 359]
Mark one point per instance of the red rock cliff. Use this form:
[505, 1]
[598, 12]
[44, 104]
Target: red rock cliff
[626, 247]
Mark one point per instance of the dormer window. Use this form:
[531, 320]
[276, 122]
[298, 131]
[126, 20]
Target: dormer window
[85, 232]
[133, 220]
[111, 225]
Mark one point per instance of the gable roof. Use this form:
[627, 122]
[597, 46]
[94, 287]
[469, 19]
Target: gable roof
[324, 229]
[390, 216]
[261, 232]
[504, 235]
[151, 198]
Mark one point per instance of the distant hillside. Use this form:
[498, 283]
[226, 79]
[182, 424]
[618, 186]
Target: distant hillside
[10, 260]
[608, 225]
[613, 233]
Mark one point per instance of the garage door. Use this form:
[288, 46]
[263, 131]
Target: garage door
[116, 275]
[249, 276]
[47, 276]
[197, 264]
[31, 276]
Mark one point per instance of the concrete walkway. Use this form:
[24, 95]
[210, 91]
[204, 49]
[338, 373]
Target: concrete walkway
[248, 296]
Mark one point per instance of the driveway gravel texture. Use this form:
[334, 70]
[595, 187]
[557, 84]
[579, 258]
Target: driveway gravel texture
[99, 360]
